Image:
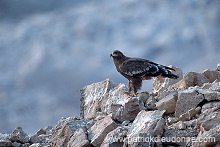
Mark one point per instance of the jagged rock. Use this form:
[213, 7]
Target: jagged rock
[210, 95]
[179, 125]
[215, 86]
[212, 75]
[115, 137]
[100, 129]
[43, 139]
[190, 79]
[92, 97]
[187, 99]
[18, 135]
[25, 145]
[210, 107]
[147, 123]
[103, 98]
[218, 67]
[208, 138]
[172, 134]
[211, 122]
[160, 84]
[189, 114]
[150, 104]
[79, 139]
[5, 142]
[126, 108]
[62, 132]
[168, 103]
[16, 144]
[36, 145]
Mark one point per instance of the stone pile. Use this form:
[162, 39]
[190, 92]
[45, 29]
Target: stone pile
[178, 112]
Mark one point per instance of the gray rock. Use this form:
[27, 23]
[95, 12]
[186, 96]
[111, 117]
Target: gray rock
[210, 107]
[209, 95]
[187, 99]
[146, 124]
[211, 122]
[208, 138]
[212, 75]
[115, 137]
[151, 103]
[79, 139]
[168, 103]
[218, 67]
[179, 125]
[101, 99]
[190, 79]
[160, 84]
[189, 114]
[43, 139]
[92, 97]
[36, 145]
[100, 129]
[5, 143]
[62, 132]
[16, 144]
[18, 135]
[215, 86]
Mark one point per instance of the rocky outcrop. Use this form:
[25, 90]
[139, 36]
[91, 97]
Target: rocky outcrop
[185, 112]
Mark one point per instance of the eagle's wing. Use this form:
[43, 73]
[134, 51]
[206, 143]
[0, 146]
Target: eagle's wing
[138, 67]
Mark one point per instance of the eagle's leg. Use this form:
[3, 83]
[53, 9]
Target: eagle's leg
[134, 85]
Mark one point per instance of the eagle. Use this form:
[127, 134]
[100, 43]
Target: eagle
[136, 70]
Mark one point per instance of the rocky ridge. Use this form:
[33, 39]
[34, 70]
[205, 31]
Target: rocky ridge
[178, 112]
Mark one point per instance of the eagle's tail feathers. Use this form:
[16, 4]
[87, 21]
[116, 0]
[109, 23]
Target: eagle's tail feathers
[170, 75]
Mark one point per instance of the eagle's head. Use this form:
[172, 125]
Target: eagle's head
[117, 54]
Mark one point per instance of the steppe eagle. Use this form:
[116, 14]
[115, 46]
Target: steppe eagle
[136, 70]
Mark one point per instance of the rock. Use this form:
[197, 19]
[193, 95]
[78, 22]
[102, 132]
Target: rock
[100, 129]
[208, 138]
[168, 103]
[18, 135]
[210, 123]
[5, 142]
[210, 107]
[190, 79]
[209, 95]
[187, 99]
[96, 104]
[212, 75]
[218, 67]
[215, 86]
[189, 114]
[79, 139]
[43, 139]
[92, 96]
[179, 125]
[147, 123]
[126, 108]
[151, 103]
[160, 84]
[63, 131]
[115, 137]
[178, 137]
[41, 131]
[36, 145]
[16, 144]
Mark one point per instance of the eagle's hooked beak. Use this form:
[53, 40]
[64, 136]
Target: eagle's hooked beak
[113, 55]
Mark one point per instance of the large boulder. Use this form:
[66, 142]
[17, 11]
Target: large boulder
[98, 132]
[65, 129]
[146, 124]
[103, 98]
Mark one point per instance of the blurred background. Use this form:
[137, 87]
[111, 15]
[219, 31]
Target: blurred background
[50, 49]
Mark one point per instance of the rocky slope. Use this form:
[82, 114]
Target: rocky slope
[181, 112]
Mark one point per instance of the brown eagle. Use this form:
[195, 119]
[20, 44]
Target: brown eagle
[136, 70]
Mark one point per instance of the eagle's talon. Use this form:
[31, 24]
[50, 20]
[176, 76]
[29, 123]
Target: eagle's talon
[130, 94]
